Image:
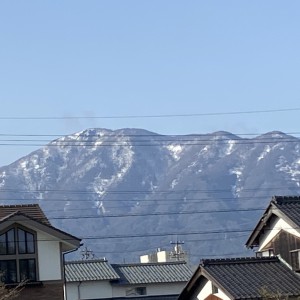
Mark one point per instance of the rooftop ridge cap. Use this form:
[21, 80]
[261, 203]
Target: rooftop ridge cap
[85, 261]
[237, 260]
[151, 264]
[289, 198]
[19, 205]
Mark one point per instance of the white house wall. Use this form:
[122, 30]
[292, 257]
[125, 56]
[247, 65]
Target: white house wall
[49, 257]
[152, 289]
[275, 228]
[88, 290]
[104, 289]
[207, 291]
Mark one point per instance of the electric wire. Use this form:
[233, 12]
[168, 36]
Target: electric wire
[151, 116]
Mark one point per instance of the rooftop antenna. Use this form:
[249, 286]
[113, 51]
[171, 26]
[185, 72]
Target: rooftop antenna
[178, 252]
[87, 254]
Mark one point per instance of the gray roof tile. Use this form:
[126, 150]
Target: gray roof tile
[31, 210]
[290, 206]
[89, 270]
[153, 273]
[244, 278]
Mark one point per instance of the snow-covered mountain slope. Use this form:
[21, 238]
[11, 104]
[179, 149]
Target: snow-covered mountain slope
[130, 191]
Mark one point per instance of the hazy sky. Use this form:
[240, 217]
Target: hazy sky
[156, 57]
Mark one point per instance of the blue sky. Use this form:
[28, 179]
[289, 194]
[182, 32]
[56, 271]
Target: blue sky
[118, 58]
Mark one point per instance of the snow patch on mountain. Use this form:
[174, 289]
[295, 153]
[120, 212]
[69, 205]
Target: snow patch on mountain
[174, 183]
[175, 151]
[266, 150]
[238, 172]
[2, 179]
[228, 148]
[291, 169]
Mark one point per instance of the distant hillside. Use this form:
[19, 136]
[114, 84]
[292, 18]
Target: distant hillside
[212, 186]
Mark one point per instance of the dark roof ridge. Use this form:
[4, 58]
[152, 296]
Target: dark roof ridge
[150, 264]
[83, 261]
[237, 260]
[285, 199]
[19, 205]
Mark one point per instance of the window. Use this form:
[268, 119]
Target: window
[295, 259]
[140, 291]
[137, 291]
[17, 255]
[25, 242]
[7, 242]
[215, 289]
[265, 253]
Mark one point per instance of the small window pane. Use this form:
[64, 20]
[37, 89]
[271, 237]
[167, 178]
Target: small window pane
[8, 271]
[12, 270]
[11, 249]
[31, 270]
[27, 269]
[3, 243]
[30, 242]
[21, 241]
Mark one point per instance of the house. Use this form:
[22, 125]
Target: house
[278, 231]
[97, 279]
[242, 278]
[32, 249]
[276, 239]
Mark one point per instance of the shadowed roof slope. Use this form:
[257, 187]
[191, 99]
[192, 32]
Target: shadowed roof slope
[290, 206]
[153, 273]
[31, 210]
[244, 278]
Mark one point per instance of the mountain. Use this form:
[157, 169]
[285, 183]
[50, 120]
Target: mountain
[130, 191]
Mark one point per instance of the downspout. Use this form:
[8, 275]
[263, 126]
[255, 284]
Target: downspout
[64, 268]
[78, 290]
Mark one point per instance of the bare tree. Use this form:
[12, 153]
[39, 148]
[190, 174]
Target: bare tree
[11, 293]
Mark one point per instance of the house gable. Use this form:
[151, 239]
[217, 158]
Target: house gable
[283, 213]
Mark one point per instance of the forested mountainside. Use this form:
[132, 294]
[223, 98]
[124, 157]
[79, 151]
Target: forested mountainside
[129, 191]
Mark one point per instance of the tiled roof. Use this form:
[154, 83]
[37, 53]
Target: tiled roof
[245, 278]
[89, 270]
[289, 205]
[153, 273]
[31, 210]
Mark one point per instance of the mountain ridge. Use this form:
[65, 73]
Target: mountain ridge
[100, 183]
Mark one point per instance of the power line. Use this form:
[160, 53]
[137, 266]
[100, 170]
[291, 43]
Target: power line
[168, 213]
[65, 191]
[105, 216]
[151, 116]
[149, 144]
[115, 133]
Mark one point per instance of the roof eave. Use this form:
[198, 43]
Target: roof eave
[257, 230]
